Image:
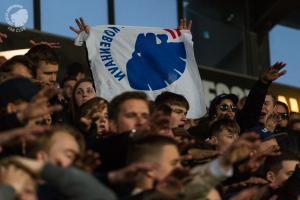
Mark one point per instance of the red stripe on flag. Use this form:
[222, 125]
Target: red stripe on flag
[178, 32]
[171, 32]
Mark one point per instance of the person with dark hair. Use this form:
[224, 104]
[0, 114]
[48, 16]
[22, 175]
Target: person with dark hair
[154, 148]
[268, 118]
[257, 109]
[92, 117]
[179, 106]
[294, 116]
[68, 84]
[76, 70]
[83, 91]
[24, 103]
[45, 63]
[290, 190]
[292, 141]
[223, 133]
[294, 130]
[223, 106]
[129, 111]
[45, 70]
[282, 111]
[241, 102]
[294, 125]
[18, 65]
[64, 98]
[279, 168]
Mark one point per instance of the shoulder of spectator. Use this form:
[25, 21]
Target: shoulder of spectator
[7, 192]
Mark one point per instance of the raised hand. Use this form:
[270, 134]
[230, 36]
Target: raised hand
[203, 154]
[53, 45]
[252, 181]
[246, 194]
[82, 26]
[184, 25]
[39, 105]
[273, 72]
[27, 133]
[48, 92]
[257, 158]
[92, 116]
[131, 172]
[14, 177]
[34, 167]
[89, 162]
[240, 150]
[184, 141]
[174, 182]
[272, 121]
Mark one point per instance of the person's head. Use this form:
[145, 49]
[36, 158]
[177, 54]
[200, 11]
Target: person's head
[76, 70]
[18, 65]
[60, 146]
[128, 111]
[155, 148]
[294, 116]
[16, 91]
[100, 114]
[83, 91]
[241, 103]
[294, 125]
[223, 106]
[223, 133]
[290, 189]
[160, 120]
[67, 86]
[282, 111]
[266, 144]
[190, 123]
[268, 108]
[19, 178]
[178, 104]
[45, 63]
[279, 168]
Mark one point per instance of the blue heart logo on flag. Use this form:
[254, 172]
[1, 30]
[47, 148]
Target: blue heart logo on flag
[161, 61]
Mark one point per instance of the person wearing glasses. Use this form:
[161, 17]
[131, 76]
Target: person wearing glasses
[250, 116]
[282, 111]
[223, 106]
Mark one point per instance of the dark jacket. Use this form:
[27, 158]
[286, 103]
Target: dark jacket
[74, 184]
[246, 118]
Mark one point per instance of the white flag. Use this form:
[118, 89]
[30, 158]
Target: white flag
[152, 60]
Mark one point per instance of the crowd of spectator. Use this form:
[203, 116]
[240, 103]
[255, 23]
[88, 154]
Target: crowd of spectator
[62, 141]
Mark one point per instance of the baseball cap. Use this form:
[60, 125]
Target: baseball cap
[265, 134]
[217, 100]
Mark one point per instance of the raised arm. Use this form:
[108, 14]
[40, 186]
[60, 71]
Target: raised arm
[249, 115]
[72, 183]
